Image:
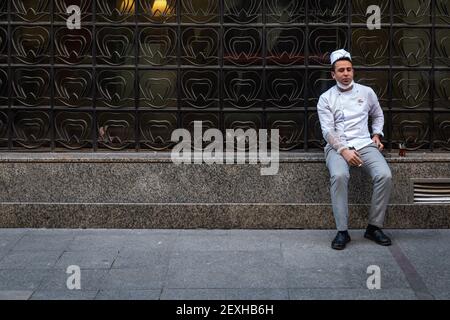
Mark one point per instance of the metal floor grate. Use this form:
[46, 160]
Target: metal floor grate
[432, 192]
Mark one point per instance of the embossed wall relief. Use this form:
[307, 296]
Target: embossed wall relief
[138, 69]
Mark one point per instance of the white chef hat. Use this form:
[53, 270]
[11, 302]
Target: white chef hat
[339, 54]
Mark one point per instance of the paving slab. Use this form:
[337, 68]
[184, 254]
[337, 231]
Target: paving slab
[43, 242]
[64, 295]
[227, 269]
[440, 294]
[15, 279]
[129, 295]
[225, 294]
[8, 240]
[56, 279]
[232, 241]
[15, 294]
[145, 259]
[30, 259]
[343, 277]
[351, 294]
[320, 256]
[201, 264]
[13, 231]
[429, 254]
[97, 242]
[158, 241]
[3, 252]
[98, 259]
[134, 279]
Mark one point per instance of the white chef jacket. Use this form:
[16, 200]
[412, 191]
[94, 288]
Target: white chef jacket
[344, 117]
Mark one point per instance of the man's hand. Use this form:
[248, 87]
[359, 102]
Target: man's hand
[352, 157]
[376, 139]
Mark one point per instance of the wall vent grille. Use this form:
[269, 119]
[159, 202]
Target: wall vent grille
[432, 192]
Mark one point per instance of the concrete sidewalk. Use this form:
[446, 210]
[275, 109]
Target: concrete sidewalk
[221, 264]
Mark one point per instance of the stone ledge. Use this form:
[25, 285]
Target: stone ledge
[141, 182]
[146, 190]
[163, 157]
[211, 216]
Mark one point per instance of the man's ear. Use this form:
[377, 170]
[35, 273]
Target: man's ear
[333, 75]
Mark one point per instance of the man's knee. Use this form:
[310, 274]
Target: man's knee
[340, 177]
[384, 176]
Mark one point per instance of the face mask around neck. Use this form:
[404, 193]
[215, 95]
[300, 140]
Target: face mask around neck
[344, 87]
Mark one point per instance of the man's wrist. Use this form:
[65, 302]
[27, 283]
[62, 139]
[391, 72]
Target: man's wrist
[342, 149]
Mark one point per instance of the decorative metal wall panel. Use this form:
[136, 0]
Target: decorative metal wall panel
[244, 12]
[115, 46]
[412, 11]
[285, 11]
[115, 11]
[359, 10]
[3, 45]
[370, 47]
[200, 89]
[158, 89]
[73, 88]
[31, 87]
[3, 129]
[442, 125]
[200, 46]
[3, 89]
[412, 129]
[29, 11]
[323, 41]
[243, 121]
[156, 129]
[285, 46]
[442, 90]
[73, 47]
[411, 90]
[412, 47]
[60, 10]
[157, 11]
[116, 130]
[329, 12]
[200, 11]
[291, 128]
[158, 46]
[242, 89]
[115, 89]
[31, 45]
[3, 10]
[209, 121]
[442, 47]
[138, 69]
[442, 12]
[285, 89]
[243, 46]
[31, 129]
[73, 129]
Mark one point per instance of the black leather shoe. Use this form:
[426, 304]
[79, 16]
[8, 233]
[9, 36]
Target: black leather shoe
[340, 241]
[378, 236]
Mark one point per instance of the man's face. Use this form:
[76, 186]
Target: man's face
[343, 72]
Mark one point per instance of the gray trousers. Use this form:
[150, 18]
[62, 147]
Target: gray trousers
[375, 165]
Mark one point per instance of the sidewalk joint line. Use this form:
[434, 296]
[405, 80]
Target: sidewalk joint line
[412, 276]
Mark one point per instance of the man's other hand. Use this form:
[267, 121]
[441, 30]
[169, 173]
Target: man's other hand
[352, 157]
[376, 139]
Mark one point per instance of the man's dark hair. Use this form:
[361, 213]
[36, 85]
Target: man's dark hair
[340, 59]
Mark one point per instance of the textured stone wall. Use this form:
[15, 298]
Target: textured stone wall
[148, 190]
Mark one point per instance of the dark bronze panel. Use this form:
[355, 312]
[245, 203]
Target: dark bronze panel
[138, 69]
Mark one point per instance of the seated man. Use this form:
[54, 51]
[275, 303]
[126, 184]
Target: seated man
[344, 111]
